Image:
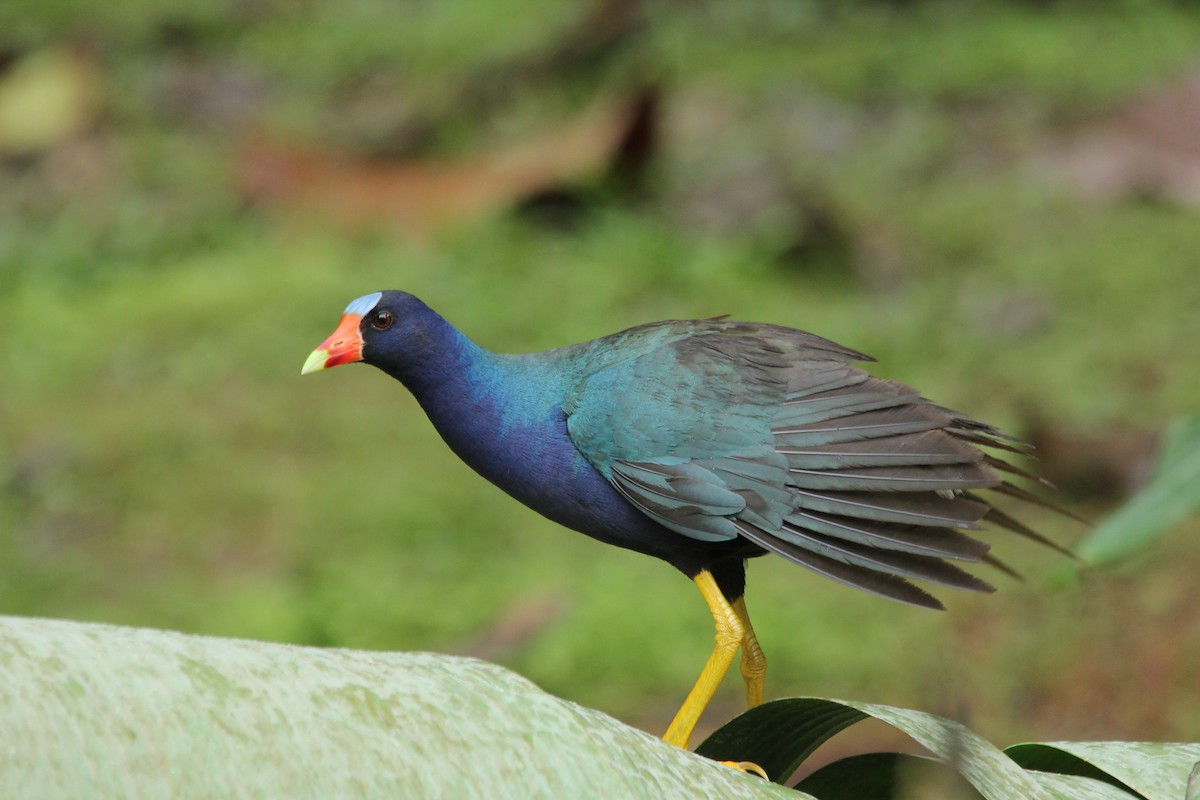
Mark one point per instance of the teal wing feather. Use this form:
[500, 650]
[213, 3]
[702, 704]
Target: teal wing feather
[719, 430]
[681, 391]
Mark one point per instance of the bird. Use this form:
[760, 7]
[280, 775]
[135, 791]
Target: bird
[706, 443]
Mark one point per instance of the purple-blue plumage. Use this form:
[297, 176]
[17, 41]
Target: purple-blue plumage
[707, 442]
[503, 416]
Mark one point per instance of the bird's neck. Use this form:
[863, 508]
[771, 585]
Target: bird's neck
[479, 401]
[503, 415]
[437, 363]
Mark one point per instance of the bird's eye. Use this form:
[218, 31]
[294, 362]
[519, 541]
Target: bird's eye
[381, 320]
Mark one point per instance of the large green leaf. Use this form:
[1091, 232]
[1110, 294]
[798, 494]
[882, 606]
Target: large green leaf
[781, 734]
[1078, 787]
[1169, 497]
[1154, 770]
[892, 776]
[95, 711]
[991, 772]
[105, 712]
[872, 776]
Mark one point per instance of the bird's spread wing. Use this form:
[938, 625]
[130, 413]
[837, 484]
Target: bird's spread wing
[771, 435]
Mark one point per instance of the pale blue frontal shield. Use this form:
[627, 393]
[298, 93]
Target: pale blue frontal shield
[363, 304]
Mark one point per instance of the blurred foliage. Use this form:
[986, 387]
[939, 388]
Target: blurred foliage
[874, 172]
[1168, 498]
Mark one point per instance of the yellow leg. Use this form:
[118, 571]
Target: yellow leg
[730, 635]
[754, 663]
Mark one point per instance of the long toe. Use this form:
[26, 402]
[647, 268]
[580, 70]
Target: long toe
[747, 766]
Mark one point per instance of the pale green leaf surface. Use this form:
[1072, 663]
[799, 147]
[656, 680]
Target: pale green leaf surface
[995, 775]
[1078, 787]
[1156, 770]
[99, 711]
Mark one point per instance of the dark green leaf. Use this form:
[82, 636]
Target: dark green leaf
[779, 735]
[1048, 758]
[869, 776]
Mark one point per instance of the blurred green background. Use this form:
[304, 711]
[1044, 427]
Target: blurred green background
[996, 200]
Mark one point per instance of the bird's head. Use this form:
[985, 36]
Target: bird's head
[375, 324]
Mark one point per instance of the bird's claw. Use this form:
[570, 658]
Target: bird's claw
[747, 766]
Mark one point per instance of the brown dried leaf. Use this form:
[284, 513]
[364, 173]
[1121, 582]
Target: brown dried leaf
[427, 195]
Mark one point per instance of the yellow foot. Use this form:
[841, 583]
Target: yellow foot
[747, 766]
[729, 635]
